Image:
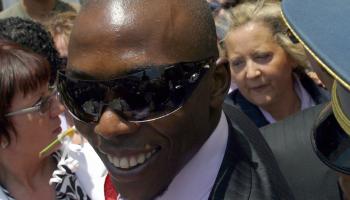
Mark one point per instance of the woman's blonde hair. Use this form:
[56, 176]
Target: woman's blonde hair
[61, 25]
[268, 13]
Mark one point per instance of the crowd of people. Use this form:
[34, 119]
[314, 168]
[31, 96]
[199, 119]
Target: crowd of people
[175, 99]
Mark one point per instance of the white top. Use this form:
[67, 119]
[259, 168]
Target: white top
[91, 172]
[196, 179]
[304, 96]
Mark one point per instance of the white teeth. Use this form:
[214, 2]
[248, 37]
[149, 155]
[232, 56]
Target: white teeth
[141, 158]
[132, 161]
[116, 161]
[148, 155]
[124, 163]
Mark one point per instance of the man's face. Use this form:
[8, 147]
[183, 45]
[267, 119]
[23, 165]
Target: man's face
[142, 158]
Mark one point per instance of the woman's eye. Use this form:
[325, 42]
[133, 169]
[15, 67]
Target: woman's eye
[237, 63]
[263, 57]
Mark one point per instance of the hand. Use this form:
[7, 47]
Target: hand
[316, 79]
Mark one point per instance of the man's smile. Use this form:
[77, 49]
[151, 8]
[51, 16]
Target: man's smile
[126, 159]
[132, 159]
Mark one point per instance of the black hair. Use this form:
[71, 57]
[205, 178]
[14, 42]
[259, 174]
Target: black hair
[32, 35]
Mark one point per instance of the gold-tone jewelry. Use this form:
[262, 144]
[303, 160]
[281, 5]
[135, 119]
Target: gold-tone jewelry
[319, 60]
[342, 119]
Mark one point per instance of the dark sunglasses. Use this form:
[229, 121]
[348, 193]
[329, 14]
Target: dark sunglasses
[147, 94]
[332, 144]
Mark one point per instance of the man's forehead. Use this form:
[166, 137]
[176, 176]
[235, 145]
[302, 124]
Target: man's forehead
[157, 32]
[130, 23]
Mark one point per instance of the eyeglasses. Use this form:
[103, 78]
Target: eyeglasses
[147, 94]
[42, 106]
[332, 144]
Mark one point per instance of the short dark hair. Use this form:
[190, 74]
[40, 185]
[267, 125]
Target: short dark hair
[21, 71]
[32, 35]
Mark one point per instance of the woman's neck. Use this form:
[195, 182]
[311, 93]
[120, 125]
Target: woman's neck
[39, 10]
[21, 176]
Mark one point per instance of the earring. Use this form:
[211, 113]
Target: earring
[4, 143]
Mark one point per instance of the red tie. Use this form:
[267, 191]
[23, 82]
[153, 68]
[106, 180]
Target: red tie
[110, 193]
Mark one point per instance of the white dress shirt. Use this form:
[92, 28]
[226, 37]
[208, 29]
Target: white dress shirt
[196, 179]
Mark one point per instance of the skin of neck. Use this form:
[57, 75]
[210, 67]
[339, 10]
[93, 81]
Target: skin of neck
[39, 9]
[288, 105]
[26, 173]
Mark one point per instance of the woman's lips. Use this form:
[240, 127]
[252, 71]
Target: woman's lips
[259, 89]
[57, 131]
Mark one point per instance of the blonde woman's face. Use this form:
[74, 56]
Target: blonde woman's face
[260, 67]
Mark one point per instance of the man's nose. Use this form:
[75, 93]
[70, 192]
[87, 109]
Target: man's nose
[111, 124]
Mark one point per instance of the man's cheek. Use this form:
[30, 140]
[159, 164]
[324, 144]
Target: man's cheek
[86, 131]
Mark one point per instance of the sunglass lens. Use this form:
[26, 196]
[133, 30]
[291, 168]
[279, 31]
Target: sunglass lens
[148, 94]
[145, 96]
[83, 99]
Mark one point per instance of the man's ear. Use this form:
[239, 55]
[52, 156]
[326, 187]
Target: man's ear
[220, 84]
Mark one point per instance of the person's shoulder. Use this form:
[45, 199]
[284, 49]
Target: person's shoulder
[291, 143]
[295, 123]
[252, 111]
[233, 95]
[292, 132]
[248, 146]
[236, 98]
[294, 128]
[242, 125]
[13, 11]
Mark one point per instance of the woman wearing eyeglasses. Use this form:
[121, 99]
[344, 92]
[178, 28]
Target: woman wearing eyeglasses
[29, 121]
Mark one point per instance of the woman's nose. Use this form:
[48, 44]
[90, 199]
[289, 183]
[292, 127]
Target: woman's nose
[111, 124]
[253, 70]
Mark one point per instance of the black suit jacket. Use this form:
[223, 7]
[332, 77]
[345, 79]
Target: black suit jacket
[290, 141]
[249, 170]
